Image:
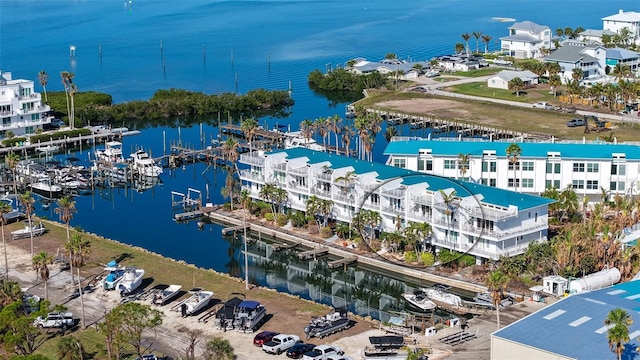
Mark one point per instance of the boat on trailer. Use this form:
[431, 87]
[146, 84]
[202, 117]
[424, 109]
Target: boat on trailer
[131, 280]
[164, 296]
[419, 300]
[225, 316]
[30, 229]
[198, 300]
[249, 316]
[335, 321]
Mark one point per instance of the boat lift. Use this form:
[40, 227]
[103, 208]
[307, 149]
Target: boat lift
[192, 199]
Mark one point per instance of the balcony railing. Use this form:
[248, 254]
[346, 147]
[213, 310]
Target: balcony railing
[300, 171]
[397, 193]
[491, 214]
[298, 186]
[281, 166]
[422, 199]
[324, 176]
[320, 191]
[252, 160]
[248, 174]
[394, 210]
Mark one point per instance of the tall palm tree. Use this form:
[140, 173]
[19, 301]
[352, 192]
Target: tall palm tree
[249, 127]
[12, 160]
[463, 163]
[477, 35]
[619, 322]
[73, 90]
[27, 202]
[347, 134]
[334, 126]
[307, 129]
[43, 77]
[4, 209]
[320, 125]
[65, 210]
[66, 80]
[497, 283]
[448, 201]
[513, 153]
[41, 262]
[77, 249]
[466, 38]
[486, 39]
[230, 154]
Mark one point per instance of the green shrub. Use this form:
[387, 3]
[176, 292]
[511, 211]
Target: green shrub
[427, 258]
[326, 232]
[265, 211]
[268, 216]
[13, 141]
[298, 219]
[282, 219]
[466, 260]
[410, 257]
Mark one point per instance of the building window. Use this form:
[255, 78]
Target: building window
[517, 165]
[512, 182]
[618, 169]
[592, 184]
[552, 184]
[425, 165]
[578, 184]
[420, 165]
[375, 199]
[449, 164]
[578, 167]
[527, 183]
[553, 168]
[29, 130]
[400, 163]
[483, 181]
[6, 121]
[617, 186]
[593, 167]
[35, 117]
[527, 166]
[429, 165]
[492, 182]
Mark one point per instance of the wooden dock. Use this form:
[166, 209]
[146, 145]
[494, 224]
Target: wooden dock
[285, 246]
[190, 215]
[342, 262]
[313, 253]
[232, 229]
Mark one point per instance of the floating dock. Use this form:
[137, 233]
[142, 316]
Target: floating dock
[232, 229]
[313, 253]
[342, 262]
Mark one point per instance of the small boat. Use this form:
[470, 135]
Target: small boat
[131, 280]
[30, 229]
[440, 296]
[114, 276]
[249, 316]
[112, 153]
[14, 213]
[419, 300]
[164, 296]
[335, 321]
[199, 300]
[485, 298]
[46, 189]
[48, 149]
[295, 139]
[143, 165]
[385, 347]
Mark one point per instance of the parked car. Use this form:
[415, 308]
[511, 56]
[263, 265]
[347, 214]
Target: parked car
[575, 122]
[280, 343]
[58, 320]
[264, 337]
[322, 352]
[543, 105]
[502, 62]
[297, 350]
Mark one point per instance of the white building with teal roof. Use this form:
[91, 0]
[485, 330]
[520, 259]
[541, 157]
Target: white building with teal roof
[590, 168]
[483, 221]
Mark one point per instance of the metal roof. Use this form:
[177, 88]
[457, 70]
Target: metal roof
[521, 38]
[586, 151]
[489, 195]
[574, 326]
[508, 75]
[529, 26]
[624, 16]
[620, 54]
[570, 53]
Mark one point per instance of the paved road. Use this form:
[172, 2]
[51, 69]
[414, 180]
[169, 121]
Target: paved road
[433, 87]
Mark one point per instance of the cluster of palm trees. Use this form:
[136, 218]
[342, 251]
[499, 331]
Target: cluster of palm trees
[486, 39]
[364, 128]
[70, 90]
[621, 38]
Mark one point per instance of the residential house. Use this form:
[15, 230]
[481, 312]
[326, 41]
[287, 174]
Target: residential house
[624, 19]
[591, 35]
[21, 108]
[526, 39]
[501, 79]
[622, 56]
[587, 167]
[591, 59]
[407, 70]
[480, 220]
[458, 63]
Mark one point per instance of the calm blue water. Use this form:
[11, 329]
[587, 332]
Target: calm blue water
[131, 50]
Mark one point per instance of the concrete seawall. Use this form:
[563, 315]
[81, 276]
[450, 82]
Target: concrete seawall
[221, 217]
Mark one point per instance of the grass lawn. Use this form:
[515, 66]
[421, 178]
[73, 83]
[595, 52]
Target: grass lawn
[526, 96]
[477, 73]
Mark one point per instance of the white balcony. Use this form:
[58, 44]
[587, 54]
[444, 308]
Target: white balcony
[397, 193]
[304, 171]
[251, 175]
[252, 160]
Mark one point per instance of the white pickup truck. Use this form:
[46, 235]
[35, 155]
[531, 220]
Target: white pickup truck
[57, 320]
[280, 343]
[322, 352]
[502, 62]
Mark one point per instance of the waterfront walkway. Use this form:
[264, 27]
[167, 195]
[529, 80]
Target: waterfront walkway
[373, 260]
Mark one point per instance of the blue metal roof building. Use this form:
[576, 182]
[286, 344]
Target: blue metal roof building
[572, 328]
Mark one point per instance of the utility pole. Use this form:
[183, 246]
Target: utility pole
[246, 254]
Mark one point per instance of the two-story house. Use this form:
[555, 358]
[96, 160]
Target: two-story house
[590, 59]
[21, 109]
[525, 40]
[624, 19]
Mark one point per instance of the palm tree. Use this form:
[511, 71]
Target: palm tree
[513, 153]
[73, 90]
[43, 77]
[4, 209]
[66, 80]
[618, 321]
[9, 292]
[41, 262]
[320, 125]
[65, 210]
[12, 160]
[77, 249]
[466, 37]
[249, 127]
[230, 154]
[486, 39]
[27, 201]
[477, 35]
[459, 47]
[497, 283]
[390, 132]
[347, 133]
[516, 84]
[69, 348]
[267, 193]
[307, 129]
[463, 163]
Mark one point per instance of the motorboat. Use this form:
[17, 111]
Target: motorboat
[295, 139]
[485, 298]
[46, 188]
[385, 347]
[225, 316]
[249, 316]
[439, 296]
[112, 153]
[143, 165]
[164, 296]
[335, 321]
[114, 275]
[198, 300]
[30, 229]
[419, 300]
[12, 215]
[131, 280]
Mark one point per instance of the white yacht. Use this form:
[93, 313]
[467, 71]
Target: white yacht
[419, 300]
[131, 280]
[143, 165]
[440, 296]
[295, 139]
[112, 153]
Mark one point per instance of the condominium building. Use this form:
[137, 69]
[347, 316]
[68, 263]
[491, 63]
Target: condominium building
[589, 168]
[629, 20]
[482, 221]
[21, 108]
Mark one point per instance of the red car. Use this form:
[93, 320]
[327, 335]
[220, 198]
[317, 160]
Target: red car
[264, 337]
